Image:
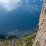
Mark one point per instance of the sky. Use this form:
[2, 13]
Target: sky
[13, 4]
[6, 1]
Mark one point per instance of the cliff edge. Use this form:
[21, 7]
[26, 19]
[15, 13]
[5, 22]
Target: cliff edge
[40, 39]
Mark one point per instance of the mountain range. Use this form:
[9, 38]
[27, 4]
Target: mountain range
[20, 20]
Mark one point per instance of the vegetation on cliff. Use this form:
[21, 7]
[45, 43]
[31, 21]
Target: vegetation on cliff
[25, 41]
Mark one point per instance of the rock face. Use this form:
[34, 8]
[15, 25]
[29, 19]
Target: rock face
[41, 32]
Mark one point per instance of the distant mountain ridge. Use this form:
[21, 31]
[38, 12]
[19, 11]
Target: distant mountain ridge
[19, 19]
[2, 36]
[22, 19]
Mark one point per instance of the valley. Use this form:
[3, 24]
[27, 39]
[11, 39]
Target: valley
[25, 41]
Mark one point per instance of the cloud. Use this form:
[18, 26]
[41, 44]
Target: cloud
[11, 4]
[15, 0]
[27, 3]
[5, 1]
[14, 4]
[41, 0]
[34, 0]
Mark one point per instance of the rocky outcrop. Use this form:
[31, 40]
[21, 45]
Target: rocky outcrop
[12, 43]
[40, 39]
[8, 42]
